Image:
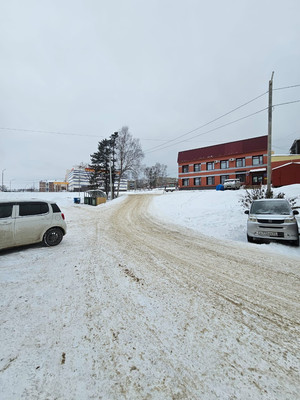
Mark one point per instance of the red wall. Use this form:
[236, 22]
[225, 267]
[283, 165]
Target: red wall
[287, 175]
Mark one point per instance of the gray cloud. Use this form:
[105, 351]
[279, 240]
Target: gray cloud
[161, 67]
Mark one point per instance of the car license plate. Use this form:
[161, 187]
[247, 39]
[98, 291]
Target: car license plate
[274, 234]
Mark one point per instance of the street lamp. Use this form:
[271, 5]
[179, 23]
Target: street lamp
[110, 180]
[2, 179]
[10, 184]
[79, 189]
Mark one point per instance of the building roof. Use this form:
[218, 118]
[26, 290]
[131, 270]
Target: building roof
[295, 148]
[285, 165]
[283, 157]
[259, 143]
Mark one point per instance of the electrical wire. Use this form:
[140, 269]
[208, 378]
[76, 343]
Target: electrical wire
[288, 102]
[161, 146]
[211, 130]
[210, 122]
[68, 134]
[219, 127]
[51, 132]
[286, 87]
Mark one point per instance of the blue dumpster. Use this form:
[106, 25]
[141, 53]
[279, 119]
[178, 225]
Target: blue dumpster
[77, 200]
[220, 187]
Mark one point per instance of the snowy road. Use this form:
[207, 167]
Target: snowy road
[129, 308]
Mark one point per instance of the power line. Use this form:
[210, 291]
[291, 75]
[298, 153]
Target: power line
[210, 122]
[68, 133]
[158, 147]
[211, 130]
[287, 87]
[219, 127]
[288, 102]
[50, 132]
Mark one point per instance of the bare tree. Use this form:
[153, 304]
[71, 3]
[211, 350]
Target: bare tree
[129, 154]
[156, 175]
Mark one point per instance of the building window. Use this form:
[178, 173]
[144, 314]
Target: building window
[257, 160]
[197, 167]
[185, 182]
[210, 166]
[197, 181]
[210, 180]
[223, 178]
[257, 179]
[240, 162]
[241, 177]
[185, 168]
[224, 164]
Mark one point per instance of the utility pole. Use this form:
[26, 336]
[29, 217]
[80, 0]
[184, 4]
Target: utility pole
[110, 180]
[79, 189]
[269, 166]
[2, 187]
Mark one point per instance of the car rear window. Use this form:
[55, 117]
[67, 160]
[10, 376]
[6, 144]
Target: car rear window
[6, 210]
[55, 208]
[33, 208]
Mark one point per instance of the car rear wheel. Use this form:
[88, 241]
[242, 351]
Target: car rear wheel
[53, 237]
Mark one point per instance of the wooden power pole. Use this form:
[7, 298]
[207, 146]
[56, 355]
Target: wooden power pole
[269, 166]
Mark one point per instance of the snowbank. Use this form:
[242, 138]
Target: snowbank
[217, 214]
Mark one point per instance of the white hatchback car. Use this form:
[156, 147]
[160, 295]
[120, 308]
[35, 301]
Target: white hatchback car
[33, 221]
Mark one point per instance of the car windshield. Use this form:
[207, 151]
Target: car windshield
[270, 207]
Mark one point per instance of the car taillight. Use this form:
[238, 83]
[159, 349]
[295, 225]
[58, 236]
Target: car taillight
[63, 216]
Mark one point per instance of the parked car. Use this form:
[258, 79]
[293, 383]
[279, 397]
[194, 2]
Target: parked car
[272, 219]
[27, 222]
[170, 188]
[232, 184]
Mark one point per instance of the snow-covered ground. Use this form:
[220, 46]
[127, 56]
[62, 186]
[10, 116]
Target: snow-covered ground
[218, 214]
[97, 318]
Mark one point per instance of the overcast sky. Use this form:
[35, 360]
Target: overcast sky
[82, 69]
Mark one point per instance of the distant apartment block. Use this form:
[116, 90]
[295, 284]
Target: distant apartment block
[78, 179]
[53, 186]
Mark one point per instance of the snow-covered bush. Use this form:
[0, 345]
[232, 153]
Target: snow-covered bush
[262, 193]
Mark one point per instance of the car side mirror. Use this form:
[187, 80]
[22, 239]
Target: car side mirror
[295, 212]
[247, 212]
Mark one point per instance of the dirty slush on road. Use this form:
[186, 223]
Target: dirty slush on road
[210, 319]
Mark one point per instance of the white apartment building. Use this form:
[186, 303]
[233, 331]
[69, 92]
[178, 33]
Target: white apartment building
[78, 179]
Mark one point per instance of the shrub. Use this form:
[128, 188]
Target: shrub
[262, 193]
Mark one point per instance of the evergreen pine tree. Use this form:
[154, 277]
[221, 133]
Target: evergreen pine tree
[101, 162]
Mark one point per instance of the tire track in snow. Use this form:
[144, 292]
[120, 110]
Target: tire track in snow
[256, 292]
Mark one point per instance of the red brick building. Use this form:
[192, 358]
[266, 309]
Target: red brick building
[286, 174]
[207, 167]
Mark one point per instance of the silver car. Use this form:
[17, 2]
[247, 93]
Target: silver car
[33, 221]
[232, 184]
[270, 219]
